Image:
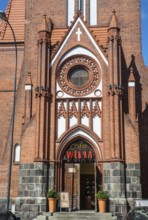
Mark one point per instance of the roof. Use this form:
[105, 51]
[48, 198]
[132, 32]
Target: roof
[15, 13]
[100, 33]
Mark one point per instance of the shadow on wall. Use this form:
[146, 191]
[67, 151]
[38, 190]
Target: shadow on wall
[8, 216]
[143, 128]
[138, 87]
[143, 131]
[141, 118]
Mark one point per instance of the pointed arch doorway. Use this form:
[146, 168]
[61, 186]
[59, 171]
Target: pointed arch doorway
[80, 175]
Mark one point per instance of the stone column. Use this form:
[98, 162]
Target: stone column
[34, 182]
[42, 93]
[122, 182]
[115, 91]
[133, 185]
[114, 184]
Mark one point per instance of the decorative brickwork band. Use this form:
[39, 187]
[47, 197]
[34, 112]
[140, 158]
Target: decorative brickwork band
[42, 92]
[114, 89]
[92, 83]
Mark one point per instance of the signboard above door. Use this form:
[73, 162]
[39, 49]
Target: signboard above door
[79, 152]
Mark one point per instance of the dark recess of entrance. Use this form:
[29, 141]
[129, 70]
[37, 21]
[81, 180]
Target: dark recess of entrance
[81, 177]
[87, 187]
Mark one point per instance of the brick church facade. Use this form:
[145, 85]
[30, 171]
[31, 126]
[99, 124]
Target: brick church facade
[81, 113]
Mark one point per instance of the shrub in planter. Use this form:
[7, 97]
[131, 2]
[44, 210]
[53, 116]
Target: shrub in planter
[52, 198]
[102, 197]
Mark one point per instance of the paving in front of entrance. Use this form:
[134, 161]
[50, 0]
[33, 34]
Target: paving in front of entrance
[80, 215]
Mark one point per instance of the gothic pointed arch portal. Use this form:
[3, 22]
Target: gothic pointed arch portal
[80, 176]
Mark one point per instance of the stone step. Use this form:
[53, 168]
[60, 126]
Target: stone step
[62, 214]
[82, 218]
[76, 216]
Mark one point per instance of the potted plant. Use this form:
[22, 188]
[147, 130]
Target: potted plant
[52, 197]
[102, 197]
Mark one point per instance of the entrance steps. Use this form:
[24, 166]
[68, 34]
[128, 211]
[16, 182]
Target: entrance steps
[84, 215]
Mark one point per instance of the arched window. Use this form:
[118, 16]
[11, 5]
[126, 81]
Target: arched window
[93, 12]
[17, 152]
[70, 10]
[85, 7]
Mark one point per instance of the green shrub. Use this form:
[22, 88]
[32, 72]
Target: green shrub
[52, 194]
[102, 194]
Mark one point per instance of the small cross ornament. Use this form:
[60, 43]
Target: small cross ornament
[78, 33]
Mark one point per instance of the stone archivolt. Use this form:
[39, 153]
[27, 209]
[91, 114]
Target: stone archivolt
[91, 85]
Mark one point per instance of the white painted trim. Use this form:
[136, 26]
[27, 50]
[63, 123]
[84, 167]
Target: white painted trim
[79, 4]
[84, 134]
[131, 84]
[70, 10]
[61, 126]
[97, 126]
[79, 33]
[28, 87]
[93, 12]
[85, 121]
[89, 35]
[73, 121]
[17, 151]
[84, 9]
[80, 51]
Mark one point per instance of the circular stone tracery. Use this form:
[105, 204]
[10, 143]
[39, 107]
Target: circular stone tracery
[91, 82]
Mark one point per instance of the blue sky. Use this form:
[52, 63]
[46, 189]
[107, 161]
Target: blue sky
[144, 9]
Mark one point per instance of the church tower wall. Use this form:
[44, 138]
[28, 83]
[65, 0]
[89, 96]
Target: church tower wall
[108, 112]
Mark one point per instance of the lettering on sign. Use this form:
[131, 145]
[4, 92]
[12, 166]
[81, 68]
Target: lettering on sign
[79, 155]
[64, 200]
[78, 152]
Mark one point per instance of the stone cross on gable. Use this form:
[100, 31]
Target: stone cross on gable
[78, 33]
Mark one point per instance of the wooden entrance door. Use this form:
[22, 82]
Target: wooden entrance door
[72, 184]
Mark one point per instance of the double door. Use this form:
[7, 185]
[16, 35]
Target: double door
[80, 182]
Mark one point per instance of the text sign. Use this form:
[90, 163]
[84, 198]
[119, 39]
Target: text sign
[64, 200]
[79, 151]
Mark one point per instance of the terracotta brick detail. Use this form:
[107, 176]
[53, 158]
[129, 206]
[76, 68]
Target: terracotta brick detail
[114, 45]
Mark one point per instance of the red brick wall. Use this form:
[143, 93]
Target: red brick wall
[128, 16]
